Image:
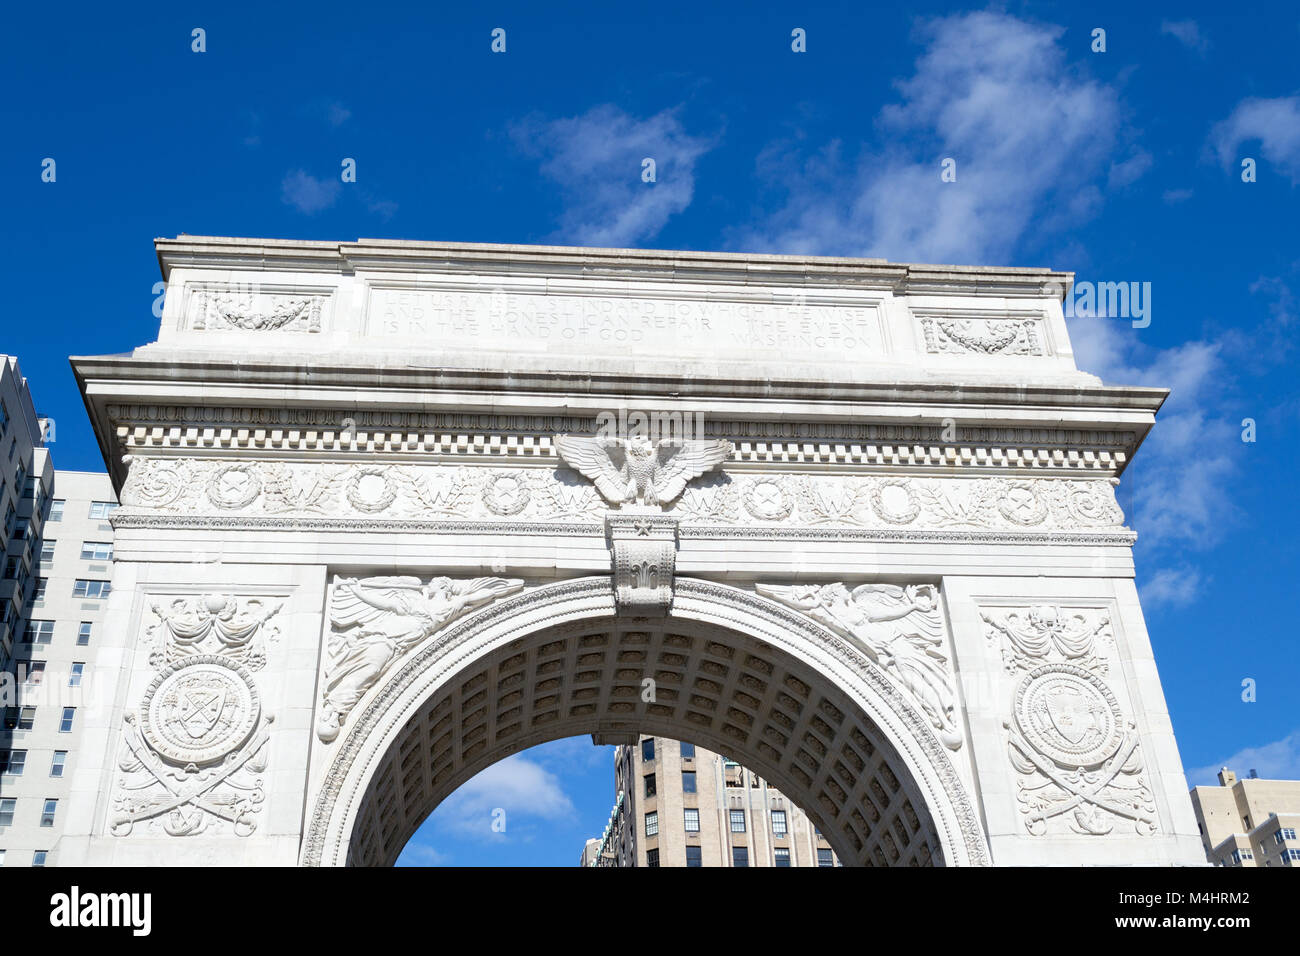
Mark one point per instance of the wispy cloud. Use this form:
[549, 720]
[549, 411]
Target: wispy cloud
[336, 114]
[1174, 505]
[1274, 123]
[1186, 32]
[596, 160]
[308, 194]
[1279, 760]
[1175, 587]
[1033, 139]
[520, 787]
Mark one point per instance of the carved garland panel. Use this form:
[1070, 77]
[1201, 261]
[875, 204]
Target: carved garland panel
[1072, 745]
[193, 749]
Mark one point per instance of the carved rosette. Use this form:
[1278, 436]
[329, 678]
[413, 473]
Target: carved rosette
[1078, 764]
[193, 755]
[643, 550]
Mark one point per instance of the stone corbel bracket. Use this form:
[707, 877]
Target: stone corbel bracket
[643, 549]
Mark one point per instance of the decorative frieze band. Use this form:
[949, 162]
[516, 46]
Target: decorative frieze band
[246, 490]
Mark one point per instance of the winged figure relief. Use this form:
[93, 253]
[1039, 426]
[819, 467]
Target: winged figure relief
[900, 628]
[640, 471]
[374, 621]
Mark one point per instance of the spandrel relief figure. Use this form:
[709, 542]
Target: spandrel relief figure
[900, 628]
[374, 621]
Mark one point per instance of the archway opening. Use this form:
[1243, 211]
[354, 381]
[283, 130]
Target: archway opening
[726, 690]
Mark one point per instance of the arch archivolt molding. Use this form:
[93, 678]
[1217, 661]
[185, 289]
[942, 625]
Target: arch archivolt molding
[351, 763]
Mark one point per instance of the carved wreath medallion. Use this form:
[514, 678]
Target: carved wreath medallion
[371, 489]
[1069, 715]
[893, 501]
[234, 486]
[506, 493]
[200, 710]
[767, 500]
[1021, 504]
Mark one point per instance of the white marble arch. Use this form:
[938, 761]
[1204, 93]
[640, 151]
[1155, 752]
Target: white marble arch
[346, 824]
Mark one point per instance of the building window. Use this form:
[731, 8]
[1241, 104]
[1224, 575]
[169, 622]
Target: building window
[648, 750]
[783, 856]
[652, 858]
[11, 567]
[65, 725]
[1277, 837]
[7, 805]
[688, 781]
[95, 551]
[39, 856]
[38, 594]
[740, 856]
[649, 785]
[1288, 833]
[2, 857]
[692, 820]
[688, 751]
[74, 676]
[1293, 854]
[59, 762]
[694, 856]
[91, 589]
[83, 634]
[102, 509]
[27, 718]
[737, 821]
[47, 813]
[38, 632]
[35, 675]
[56, 510]
[47, 549]
[825, 858]
[652, 823]
[12, 762]
[778, 822]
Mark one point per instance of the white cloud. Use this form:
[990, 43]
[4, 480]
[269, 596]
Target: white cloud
[1186, 32]
[519, 786]
[1172, 586]
[1279, 760]
[1174, 196]
[596, 159]
[1031, 137]
[336, 114]
[308, 194]
[1274, 123]
[1180, 477]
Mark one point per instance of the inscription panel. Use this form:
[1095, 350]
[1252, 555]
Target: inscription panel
[527, 321]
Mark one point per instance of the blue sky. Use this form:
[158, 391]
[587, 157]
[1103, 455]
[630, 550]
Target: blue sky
[1121, 166]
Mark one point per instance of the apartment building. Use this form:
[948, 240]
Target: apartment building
[58, 552]
[1249, 822]
[682, 805]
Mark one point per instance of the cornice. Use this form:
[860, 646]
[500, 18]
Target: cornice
[387, 255]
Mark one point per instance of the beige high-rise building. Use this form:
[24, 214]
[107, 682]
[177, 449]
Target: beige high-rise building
[682, 805]
[50, 664]
[1250, 822]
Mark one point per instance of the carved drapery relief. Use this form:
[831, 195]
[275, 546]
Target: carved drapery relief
[375, 621]
[255, 311]
[247, 488]
[981, 335]
[193, 752]
[1075, 752]
[900, 628]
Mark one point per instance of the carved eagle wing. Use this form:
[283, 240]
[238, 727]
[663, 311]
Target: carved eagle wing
[680, 461]
[601, 460]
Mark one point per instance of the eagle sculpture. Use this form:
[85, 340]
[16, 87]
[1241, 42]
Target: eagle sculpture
[639, 471]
